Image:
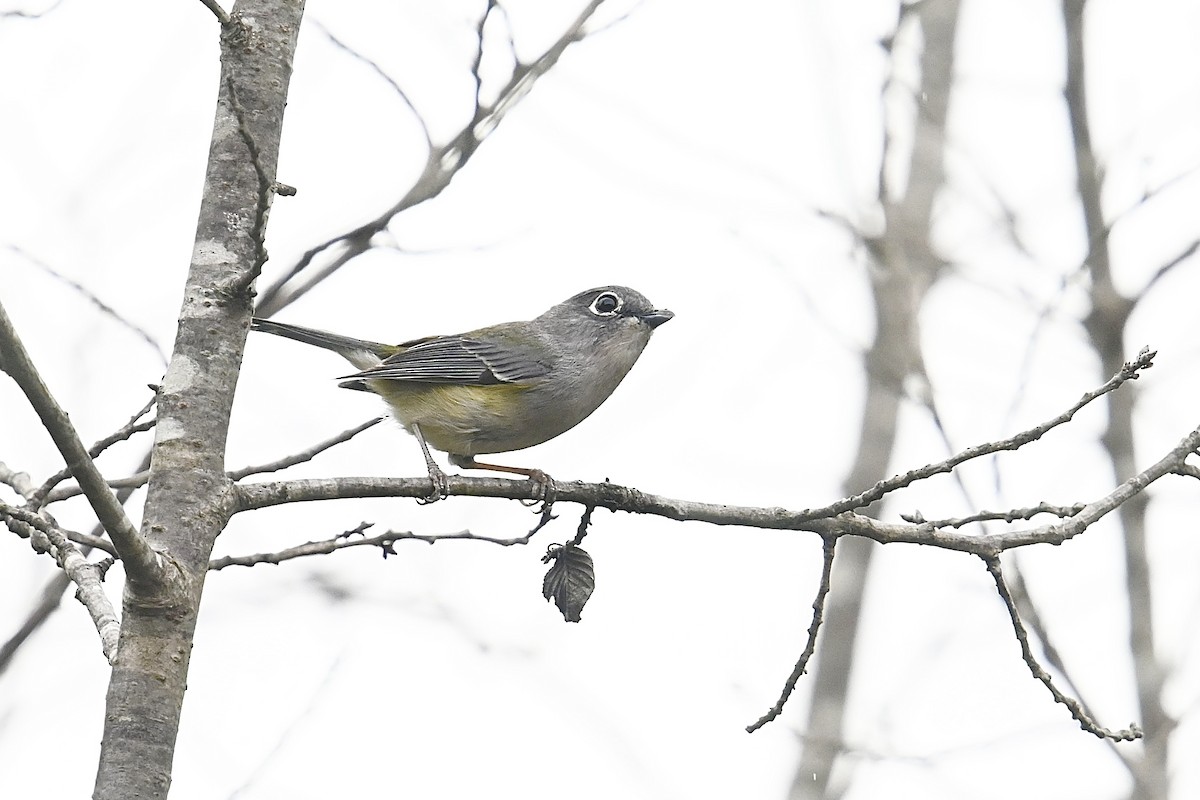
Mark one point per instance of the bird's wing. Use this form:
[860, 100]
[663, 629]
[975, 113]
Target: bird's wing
[463, 360]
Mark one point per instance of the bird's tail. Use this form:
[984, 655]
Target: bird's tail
[359, 352]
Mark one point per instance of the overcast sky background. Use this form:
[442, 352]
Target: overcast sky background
[687, 151]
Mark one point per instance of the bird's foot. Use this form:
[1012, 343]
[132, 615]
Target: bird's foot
[544, 492]
[439, 485]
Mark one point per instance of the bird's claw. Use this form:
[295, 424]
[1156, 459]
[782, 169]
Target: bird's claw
[544, 493]
[439, 488]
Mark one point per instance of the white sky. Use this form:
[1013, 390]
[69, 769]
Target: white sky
[684, 151]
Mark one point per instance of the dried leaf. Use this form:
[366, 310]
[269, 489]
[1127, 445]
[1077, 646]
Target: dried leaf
[570, 580]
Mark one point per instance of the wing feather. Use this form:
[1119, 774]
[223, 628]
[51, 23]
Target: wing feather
[458, 360]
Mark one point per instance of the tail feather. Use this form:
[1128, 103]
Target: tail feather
[359, 352]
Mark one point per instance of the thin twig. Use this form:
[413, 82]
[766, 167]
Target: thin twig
[441, 165]
[1012, 515]
[47, 538]
[139, 479]
[51, 595]
[380, 72]
[1165, 269]
[121, 434]
[135, 481]
[220, 13]
[1129, 371]
[19, 482]
[304, 455]
[88, 577]
[810, 645]
[1074, 706]
[384, 541]
[93, 298]
[38, 522]
[1029, 613]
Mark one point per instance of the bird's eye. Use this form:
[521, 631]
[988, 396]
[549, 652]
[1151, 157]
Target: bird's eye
[606, 304]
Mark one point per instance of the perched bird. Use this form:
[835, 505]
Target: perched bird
[504, 387]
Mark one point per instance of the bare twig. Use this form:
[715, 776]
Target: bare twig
[19, 482]
[1129, 371]
[38, 522]
[92, 298]
[50, 597]
[1074, 706]
[1012, 515]
[810, 645]
[45, 537]
[221, 14]
[1161, 272]
[384, 541]
[441, 165]
[88, 577]
[139, 479]
[49, 601]
[378, 71]
[121, 434]
[1029, 613]
[135, 481]
[304, 455]
[477, 61]
[140, 559]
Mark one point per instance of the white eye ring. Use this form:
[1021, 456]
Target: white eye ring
[606, 304]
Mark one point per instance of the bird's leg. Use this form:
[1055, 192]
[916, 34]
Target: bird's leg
[441, 487]
[543, 484]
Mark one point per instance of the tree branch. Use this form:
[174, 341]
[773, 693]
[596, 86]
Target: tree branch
[823, 522]
[383, 541]
[1129, 371]
[46, 538]
[1076, 708]
[32, 520]
[221, 14]
[441, 165]
[140, 559]
[304, 455]
[139, 479]
[121, 434]
[810, 646]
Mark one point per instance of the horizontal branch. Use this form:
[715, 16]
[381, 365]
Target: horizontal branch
[1011, 515]
[248, 497]
[383, 541]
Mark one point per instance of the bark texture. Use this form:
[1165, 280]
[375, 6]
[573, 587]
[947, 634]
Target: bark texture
[187, 504]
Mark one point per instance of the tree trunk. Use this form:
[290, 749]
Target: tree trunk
[186, 504]
[903, 268]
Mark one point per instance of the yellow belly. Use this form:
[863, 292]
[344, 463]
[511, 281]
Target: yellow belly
[466, 420]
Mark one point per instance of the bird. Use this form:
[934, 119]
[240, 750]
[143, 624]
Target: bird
[500, 388]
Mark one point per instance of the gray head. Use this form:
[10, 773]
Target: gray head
[596, 337]
[608, 311]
